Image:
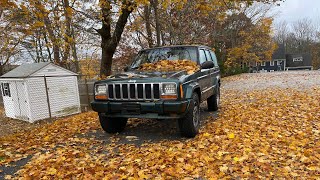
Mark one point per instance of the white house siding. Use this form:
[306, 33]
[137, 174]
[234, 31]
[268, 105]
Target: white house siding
[63, 95]
[37, 99]
[52, 70]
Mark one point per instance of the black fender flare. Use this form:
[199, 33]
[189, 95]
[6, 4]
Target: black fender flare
[192, 87]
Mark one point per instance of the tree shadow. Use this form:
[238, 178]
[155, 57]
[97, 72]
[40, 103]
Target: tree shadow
[140, 131]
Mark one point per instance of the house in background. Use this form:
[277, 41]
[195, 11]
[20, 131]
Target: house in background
[278, 62]
[298, 62]
[282, 61]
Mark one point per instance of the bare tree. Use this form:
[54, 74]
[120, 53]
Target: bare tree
[281, 32]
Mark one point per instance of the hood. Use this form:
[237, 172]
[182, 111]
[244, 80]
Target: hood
[145, 74]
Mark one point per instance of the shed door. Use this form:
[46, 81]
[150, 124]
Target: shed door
[20, 101]
[6, 89]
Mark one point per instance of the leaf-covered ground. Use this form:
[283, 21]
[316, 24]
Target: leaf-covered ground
[268, 127]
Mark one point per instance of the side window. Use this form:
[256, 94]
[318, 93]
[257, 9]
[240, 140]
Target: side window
[208, 55]
[5, 89]
[202, 56]
[214, 58]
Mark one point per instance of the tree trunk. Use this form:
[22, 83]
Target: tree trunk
[47, 44]
[106, 61]
[49, 29]
[36, 48]
[156, 16]
[55, 46]
[74, 52]
[67, 35]
[110, 42]
[147, 12]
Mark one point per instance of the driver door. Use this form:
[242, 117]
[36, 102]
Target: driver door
[203, 78]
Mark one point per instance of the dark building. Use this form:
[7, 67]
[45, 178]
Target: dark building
[281, 61]
[299, 61]
[273, 65]
[278, 62]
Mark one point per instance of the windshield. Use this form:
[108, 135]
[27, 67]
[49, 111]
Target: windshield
[169, 53]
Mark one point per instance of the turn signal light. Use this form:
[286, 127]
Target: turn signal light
[181, 91]
[169, 96]
[101, 97]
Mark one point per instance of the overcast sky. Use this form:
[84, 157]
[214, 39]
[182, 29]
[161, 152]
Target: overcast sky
[293, 10]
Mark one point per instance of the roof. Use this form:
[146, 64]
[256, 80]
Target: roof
[26, 70]
[280, 52]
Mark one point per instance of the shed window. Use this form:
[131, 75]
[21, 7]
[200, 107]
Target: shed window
[5, 89]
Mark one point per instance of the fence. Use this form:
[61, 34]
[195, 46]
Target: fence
[86, 93]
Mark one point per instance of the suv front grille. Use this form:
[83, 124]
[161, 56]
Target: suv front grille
[138, 91]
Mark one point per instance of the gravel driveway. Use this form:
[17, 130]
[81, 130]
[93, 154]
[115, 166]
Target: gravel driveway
[300, 80]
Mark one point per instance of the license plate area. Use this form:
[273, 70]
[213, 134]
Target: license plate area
[131, 108]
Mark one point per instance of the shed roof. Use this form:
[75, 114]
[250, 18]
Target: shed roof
[26, 70]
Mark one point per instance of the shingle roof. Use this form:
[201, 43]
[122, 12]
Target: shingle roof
[25, 70]
[280, 52]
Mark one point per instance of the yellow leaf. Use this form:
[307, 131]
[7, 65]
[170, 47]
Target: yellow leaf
[47, 138]
[38, 24]
[52, 171]
[223, 168]
[142, 175]
[235, 159]
[312, 168]
[231, 136]
[180, 159]
[245, 169]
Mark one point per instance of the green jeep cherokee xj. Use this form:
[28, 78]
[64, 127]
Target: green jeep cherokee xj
[160, 95]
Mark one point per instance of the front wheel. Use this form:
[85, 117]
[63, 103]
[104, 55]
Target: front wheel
[214, 100]
[190, 124]
[112, 125]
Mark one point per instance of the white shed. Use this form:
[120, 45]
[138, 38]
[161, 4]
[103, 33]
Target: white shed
[38, 91]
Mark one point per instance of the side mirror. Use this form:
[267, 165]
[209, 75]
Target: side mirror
[126, 68]
[207, 65]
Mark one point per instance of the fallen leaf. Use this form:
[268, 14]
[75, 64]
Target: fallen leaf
[231, 136]
[52, 171]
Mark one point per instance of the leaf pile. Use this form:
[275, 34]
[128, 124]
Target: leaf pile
[168, 65]
[20, 145]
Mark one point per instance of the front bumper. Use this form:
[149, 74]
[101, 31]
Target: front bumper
[150, 110]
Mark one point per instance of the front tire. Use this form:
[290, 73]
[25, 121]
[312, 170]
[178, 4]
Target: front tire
[214, 100]
[190, 124]
[112, 125]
